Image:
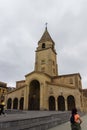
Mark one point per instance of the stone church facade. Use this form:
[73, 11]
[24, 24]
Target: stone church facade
[44, 88]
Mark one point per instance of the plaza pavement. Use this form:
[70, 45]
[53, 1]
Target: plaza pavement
[17, 116]
[66, 126]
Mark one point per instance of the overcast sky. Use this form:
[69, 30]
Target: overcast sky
[22, 23]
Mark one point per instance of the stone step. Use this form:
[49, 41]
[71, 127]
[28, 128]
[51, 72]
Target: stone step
[39, 120]
[35, 123]
[30, 124]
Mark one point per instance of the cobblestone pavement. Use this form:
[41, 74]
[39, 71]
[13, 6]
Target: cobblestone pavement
[66, 126]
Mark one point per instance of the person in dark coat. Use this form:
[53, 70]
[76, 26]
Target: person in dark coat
[76, 123]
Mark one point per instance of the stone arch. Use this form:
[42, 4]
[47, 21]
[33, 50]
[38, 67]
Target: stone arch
[15, 103]
[9, 103]
[21, 105]
[70, 102]
[34, 95]
[61, 103]
[51, 103]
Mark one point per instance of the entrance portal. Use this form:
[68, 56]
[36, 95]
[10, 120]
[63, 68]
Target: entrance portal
[34, 95]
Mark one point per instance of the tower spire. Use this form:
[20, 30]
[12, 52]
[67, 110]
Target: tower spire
[46, 36]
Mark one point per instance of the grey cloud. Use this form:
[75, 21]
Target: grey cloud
[22, 24]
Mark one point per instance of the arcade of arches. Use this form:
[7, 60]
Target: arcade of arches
[36, 105]
[15, 103]
[34, 100]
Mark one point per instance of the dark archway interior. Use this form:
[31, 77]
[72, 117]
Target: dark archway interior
[34, 95]
[70, 102]
[61, 103]
[51, 103]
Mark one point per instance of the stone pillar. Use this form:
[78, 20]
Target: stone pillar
[56, 105]
[12, 104]
[66, 104]
[6, 100]
[18, 104]
[41, 96]
[26, 98]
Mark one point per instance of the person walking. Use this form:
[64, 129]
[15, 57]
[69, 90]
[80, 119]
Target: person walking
[75, 120]
[2, 104]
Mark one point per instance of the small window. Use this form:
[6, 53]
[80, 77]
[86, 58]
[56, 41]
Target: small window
[43, 45]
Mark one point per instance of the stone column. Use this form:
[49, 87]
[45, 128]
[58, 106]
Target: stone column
[26, 94]
[66, 104]
[41, 96]
[56, 105]
[18, 103]
[12, 104]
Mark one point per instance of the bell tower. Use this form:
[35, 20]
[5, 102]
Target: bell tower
[45, 60]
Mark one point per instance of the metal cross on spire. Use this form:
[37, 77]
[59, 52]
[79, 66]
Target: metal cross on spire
[46, 26]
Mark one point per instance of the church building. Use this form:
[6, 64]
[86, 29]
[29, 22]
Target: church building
[44, 88]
